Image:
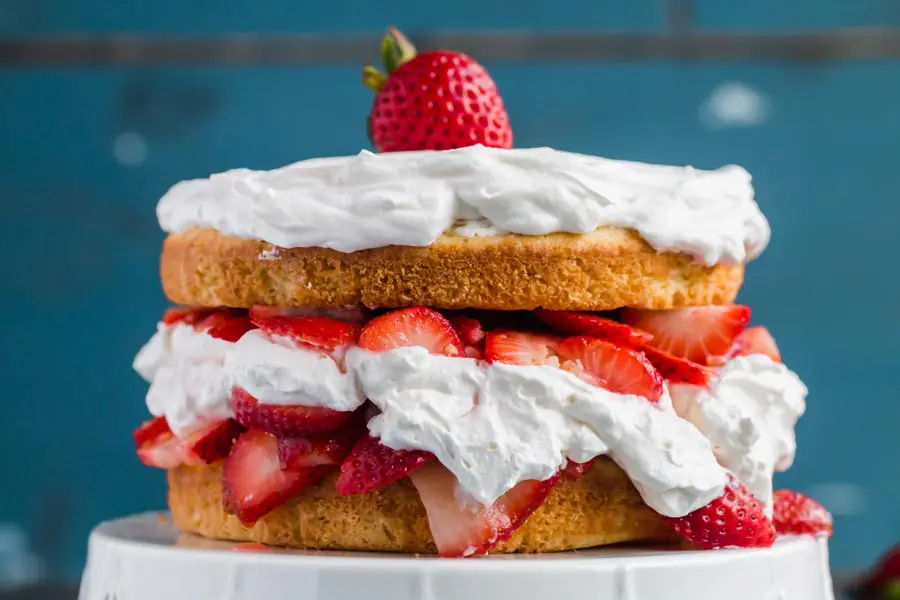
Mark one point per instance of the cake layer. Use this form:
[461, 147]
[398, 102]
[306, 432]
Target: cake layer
[601, 508]
[607, 269]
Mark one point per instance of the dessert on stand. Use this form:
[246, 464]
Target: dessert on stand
[453, 348]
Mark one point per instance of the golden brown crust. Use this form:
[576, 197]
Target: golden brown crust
[599, 509]
[607, 269]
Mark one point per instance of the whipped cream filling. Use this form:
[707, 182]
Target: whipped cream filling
[494, 425]
[412, 198]
[186, 371]
[748, 413]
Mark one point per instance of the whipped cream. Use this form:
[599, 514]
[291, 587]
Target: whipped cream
[275, 370]
[494, 425]
[748, 413]
[188, 381]
[412, 198]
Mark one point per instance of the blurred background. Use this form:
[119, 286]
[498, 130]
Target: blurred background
[104, 105]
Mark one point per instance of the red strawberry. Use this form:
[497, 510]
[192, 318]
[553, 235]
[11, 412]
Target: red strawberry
[320, 333]
[695, 333]
[796, 514]
[416, 326]
[285, 420]
[617, 369]
[189, 316]
[371, 465]
[229, 325]
[326, 449]
[470, 529]
[355, 314]
[756, 340]
[569, 322]
[433, 101]
[163, 452]
[468, 329]
[676, 369]
[253, 482]
[210, 443]
[150, 430]
[520, 348]
[577, 470]
[735, 519]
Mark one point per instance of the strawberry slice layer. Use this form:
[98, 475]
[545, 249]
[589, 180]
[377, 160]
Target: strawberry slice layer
[734, 520]
[469, 529]
[188, 316]
[676, 369]
[162, 452]
[697, 333]
[416, 326]
[321, 333]
[226, 324]
[521, 348]
[756, 340]
[577, 470]
[796, 514]
[290, 420]
[468, 329]
[329, 449]
[150, 430]
[606, 365]
[372, 465]
[571, 323]
[210, 443]
[253, 482]
[354, 314]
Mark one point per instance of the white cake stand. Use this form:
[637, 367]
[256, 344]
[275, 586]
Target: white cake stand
[145, 558]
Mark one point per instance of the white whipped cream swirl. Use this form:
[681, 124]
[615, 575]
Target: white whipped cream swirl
[412, 198]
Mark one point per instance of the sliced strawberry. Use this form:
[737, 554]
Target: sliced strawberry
[188, 316]
[568, 322]
[617, 369]
[320, 333]
[372, 465]
[355, 314]
[466, 529]
[163, 452]
[735, 519]
[796, 514]
[520, 348]
[577, 470]
[150, 430]
[285, 420]
[468, 329]
[229, 325]
[416, 326]
[210, 443]
[695, 333]
[327, 449]
[676, 369]
[756, 340]
[253, 482]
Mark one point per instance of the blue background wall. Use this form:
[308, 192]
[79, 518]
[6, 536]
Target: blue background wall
[85, 154]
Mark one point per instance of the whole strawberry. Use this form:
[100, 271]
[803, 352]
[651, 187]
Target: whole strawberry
[433, 101]
[734, 520]
[795, 514]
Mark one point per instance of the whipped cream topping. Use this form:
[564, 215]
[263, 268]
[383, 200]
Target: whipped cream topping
[188, 381]
[412, 198]
[748, 413]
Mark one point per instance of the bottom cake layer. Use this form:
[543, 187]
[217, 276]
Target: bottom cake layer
[146, 558]
[600, 508]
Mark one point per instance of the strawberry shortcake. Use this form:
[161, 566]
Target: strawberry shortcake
[454, 346]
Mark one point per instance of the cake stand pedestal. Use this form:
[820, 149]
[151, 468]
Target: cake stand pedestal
[145, 558]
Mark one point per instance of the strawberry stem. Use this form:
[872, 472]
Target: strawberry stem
[373, 78]
[396, 49]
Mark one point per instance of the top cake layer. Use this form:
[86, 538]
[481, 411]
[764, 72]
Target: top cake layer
[414, 198]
